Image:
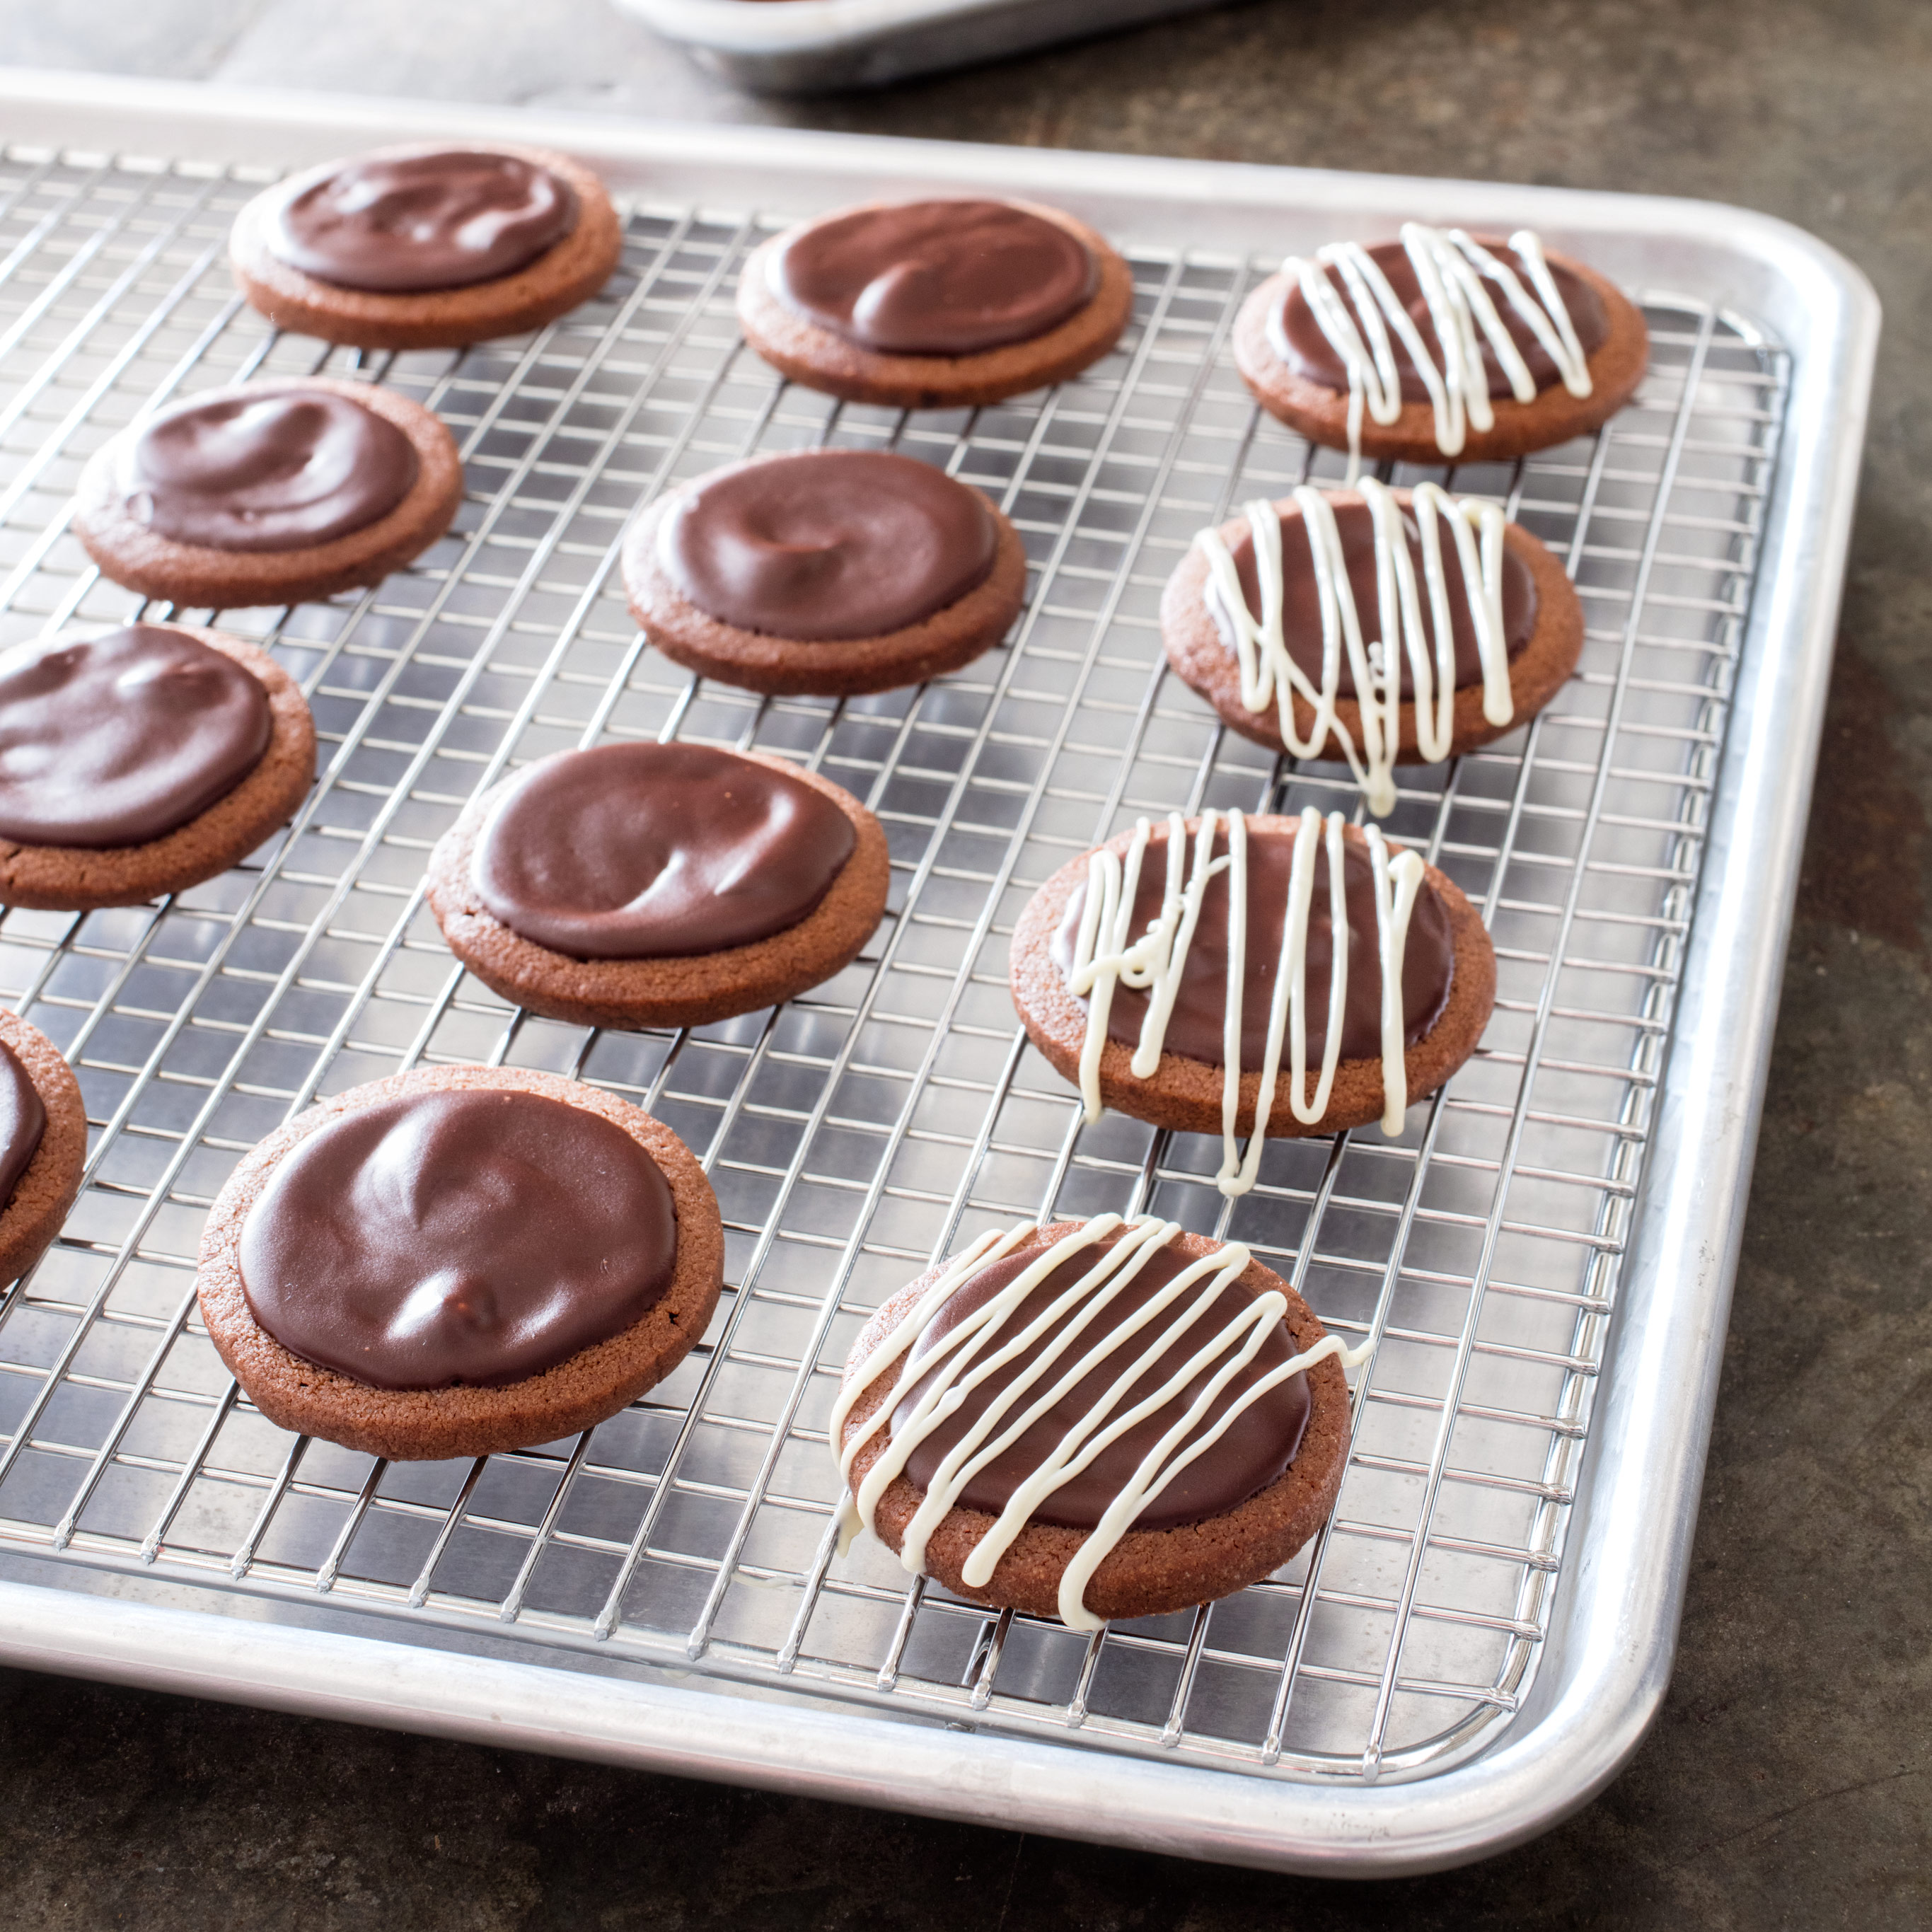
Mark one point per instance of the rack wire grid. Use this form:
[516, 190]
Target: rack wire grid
[858, 1133]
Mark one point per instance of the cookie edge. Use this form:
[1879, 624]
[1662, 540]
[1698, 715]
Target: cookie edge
[1617, 367]
[1149, 1573]
[569, 272]
[1184, 1095]
[950, 639]
[73, 878]
[433, 1425]
[816, 359]
[45, 1194]
[201, 577]
[1194, 649]
[684, 992]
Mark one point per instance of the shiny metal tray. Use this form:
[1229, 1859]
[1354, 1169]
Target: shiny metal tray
[806, 47]
[1543, 1260]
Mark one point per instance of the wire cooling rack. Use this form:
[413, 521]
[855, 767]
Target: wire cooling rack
[856, 1134]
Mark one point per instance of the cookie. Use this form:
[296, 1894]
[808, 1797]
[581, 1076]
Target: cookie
[1156, 990]
[460, 1260]
[268, 492]
[1517, 630]
[141, 761]
[827, 572]
[426, 247]
[658, 885]
[942, 1471]
[43, 1144]
[1363, 367]
[934, 305]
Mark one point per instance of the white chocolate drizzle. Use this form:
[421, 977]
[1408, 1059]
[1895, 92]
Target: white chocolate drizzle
[1452, 270]
[1107, 955]
[1269, 673]
[981, 1345]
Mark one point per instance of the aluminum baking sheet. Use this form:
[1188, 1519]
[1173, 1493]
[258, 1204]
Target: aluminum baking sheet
[1543, 1260]
[804, 46]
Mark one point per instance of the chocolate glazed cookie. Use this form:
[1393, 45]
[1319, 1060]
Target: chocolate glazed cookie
[269, 493]
[1542, 613]
[658, 885]
[827, 572]
[142, 761]
[1297, 373]
[43, 1144]
[460, 1260]
[1448, 979]
[427, 247]
[1233, 1516]
[934, 305]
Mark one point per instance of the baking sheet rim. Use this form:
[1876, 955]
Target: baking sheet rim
[1613, 1634]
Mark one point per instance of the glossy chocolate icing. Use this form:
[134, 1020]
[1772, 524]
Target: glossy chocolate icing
[1301, 601]
[23, 1120]
[1249, 1457]
[657, 851]
[265, 470]
[473, 1236]
[412, 224]
[119, 740]
[1195, 1031]
[934, 277]
[1298, 340]
[827, 544]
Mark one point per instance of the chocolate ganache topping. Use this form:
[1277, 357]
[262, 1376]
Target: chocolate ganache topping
[413, 223]
[1298, 340]
[1246, 1459]
[475, 1235]
[278, 470]
[657, 851]
[23, 1120]
[119, 740]
[1195, 1029]
[1301, 600]
[934, 277]
[827, 544]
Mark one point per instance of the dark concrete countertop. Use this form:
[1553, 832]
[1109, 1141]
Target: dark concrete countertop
[1788, 1782]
